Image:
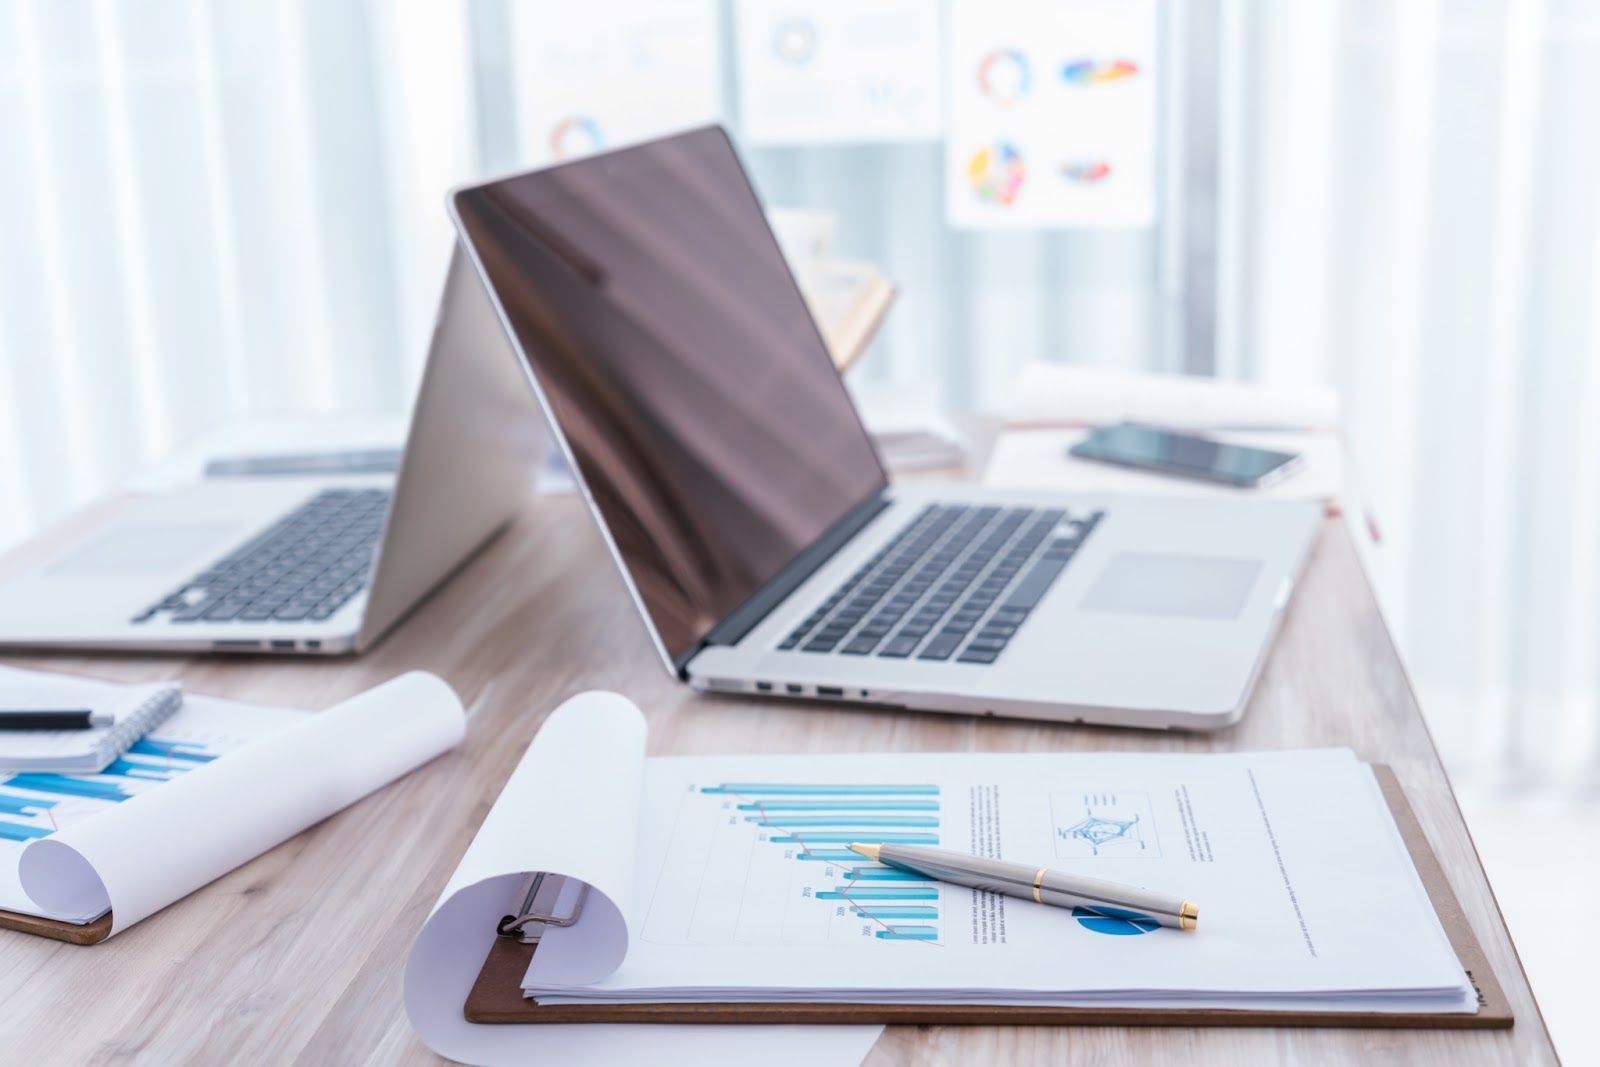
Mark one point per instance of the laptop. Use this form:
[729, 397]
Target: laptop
[752, 520]
[321, 565]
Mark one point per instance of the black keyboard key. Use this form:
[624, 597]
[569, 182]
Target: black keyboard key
[901, 646]
[1033, 586]
[861, 646]
[976, 655]
[223, 610]
[943, 644]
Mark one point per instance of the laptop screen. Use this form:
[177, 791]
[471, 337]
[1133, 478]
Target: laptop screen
[647, 294]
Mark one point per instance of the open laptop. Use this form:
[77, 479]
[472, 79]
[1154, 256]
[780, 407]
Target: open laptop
[752, 520]
[305, 565]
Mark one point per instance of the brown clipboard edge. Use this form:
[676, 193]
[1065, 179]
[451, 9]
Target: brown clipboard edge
[72, 933]
[496, 995]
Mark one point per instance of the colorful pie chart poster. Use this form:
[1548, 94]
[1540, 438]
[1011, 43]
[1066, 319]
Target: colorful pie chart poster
[1051, 113]
[592, 76]
[839, 71]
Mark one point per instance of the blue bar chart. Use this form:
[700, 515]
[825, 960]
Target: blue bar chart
[35, 805]
[172, 750]
[778, 864]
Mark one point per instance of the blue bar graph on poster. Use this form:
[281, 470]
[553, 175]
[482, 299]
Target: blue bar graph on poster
[908, 933]
[829, 855]
[62, 785]
[820, 790]
[11, 831]
[10, 805]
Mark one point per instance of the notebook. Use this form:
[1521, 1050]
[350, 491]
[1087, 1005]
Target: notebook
[713, 881]
[136, 710]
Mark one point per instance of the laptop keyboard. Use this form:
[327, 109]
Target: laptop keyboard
[956, 583]
[307, 565]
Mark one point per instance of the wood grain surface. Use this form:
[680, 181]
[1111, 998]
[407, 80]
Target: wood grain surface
[299, 953]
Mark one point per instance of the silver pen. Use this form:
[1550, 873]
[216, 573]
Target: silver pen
[1039, 884]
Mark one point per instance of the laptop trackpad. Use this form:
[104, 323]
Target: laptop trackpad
[1190, 586]
[143, 548]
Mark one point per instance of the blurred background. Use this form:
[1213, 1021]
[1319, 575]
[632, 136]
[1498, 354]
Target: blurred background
[1400, 202]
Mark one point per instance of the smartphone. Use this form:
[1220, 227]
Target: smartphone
[1132, 444]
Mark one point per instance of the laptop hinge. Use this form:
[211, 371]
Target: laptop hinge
[758, 605]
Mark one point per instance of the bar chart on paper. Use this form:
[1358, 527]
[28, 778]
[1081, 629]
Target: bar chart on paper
[769, 863]
[37, 805]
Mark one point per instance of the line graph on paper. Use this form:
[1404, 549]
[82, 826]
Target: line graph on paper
[769, 863]
[1104, 823]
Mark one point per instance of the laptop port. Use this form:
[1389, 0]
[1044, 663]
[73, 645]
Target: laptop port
[313, 643]
[763, 687]
[283, 646]
[829, 691]
[795, 689]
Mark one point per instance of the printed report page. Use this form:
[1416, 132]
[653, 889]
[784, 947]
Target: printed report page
[747, 887]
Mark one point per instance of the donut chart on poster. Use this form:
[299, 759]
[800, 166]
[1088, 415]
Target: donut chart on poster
[1051, 118]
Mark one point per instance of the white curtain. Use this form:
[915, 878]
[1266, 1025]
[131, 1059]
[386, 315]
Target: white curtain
[211, 208]
[1415, 200]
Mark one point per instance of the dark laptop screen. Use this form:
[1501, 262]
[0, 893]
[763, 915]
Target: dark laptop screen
[660, 320]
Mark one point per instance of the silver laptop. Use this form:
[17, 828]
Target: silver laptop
[752, 520]
[305, 565]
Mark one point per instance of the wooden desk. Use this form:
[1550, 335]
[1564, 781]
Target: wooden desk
[300, 952]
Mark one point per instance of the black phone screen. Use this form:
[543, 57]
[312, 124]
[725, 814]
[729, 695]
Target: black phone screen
[1151, 447]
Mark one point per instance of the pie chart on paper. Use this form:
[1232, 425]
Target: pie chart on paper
[1114, 921]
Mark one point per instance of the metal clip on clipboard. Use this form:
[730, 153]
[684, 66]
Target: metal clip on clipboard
[527, 924]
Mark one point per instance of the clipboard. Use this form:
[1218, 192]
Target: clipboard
[73, 933]
[496, 995]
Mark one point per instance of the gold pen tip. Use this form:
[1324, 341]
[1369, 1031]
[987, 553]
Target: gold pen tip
[1189, 915]
[869, 851]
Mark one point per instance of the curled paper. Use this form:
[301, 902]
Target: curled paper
[145, 854]
[571, 807]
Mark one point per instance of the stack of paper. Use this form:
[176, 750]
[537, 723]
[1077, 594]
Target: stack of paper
[1041, 459]
[1059, 394]
[908, 428]
[730, 879]
[1053, 406]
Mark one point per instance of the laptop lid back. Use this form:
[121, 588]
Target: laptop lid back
[471, 454]
[680, 367]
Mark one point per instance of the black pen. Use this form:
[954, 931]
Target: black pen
[51, 719]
